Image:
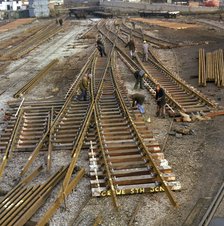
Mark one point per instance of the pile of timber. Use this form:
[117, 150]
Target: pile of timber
[211, 67]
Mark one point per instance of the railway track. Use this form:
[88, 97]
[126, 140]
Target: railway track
[125, 160]
[132, 161]
[14, 52]
[124, 157]
[43, 125]
[180, 95]
[205, 221]
[140, 35]
[23, 201]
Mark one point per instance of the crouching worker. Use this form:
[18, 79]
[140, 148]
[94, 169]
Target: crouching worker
[84, 87]
[161, 101]
[138, 100]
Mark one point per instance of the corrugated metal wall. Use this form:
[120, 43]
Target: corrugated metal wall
[38, 8]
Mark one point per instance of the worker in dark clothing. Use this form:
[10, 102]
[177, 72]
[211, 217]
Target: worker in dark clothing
[138, 100]
[161, 101]
[220, 17]
[60, 22]
[84, 87]
[57, 21]
[133, 25]
[139, 75]
[100, 47]
[131, 45]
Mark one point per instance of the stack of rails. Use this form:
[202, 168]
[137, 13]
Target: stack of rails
[211, 67]
[202, 70]
[20, 204]
[24, 47]
[180, 95]
[126, 158]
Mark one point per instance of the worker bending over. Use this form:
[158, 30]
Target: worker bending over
[161, 101]
[84, 87]
[138, 100]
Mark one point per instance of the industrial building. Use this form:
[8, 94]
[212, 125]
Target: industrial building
[10, 5]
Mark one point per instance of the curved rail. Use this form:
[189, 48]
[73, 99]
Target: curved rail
[180, 94]
[159, 43]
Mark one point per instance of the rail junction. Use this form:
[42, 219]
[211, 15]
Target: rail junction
[124, 156]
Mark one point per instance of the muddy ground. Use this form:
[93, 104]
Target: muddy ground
[197, 159]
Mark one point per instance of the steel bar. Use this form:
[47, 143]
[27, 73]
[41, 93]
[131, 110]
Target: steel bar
[45, 218]
[213, 207]
[28, 86]
[11, 142]
[166, 188]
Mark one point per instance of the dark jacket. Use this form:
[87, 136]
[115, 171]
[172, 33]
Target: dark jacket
[99, 43]
[139, 74]
[137, 98]
[161, 97]
[131, 45]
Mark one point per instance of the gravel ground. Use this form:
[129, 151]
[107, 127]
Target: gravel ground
[197, 160]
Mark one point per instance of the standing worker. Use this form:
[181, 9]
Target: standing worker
[100, 47]
[145, 51]
[139, 75]
[60, 22]
[133, 25]
[220, 17]
[117, 25]
[84, 87]
[138, 100]
[131, 45]
[161, 101]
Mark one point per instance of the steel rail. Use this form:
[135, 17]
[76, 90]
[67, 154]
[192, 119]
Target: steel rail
[56, 120]
[20, 50]
[156, 41]
[180, 82]
[21, 184]
[29, 85]
[150, 87]
[45, 218]
[141, 142]
[137, 67]
[50, 148]
[96, 117]
[10, 145]
[79, 141]
[213, 207]
[23, 204]
[67, 186]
